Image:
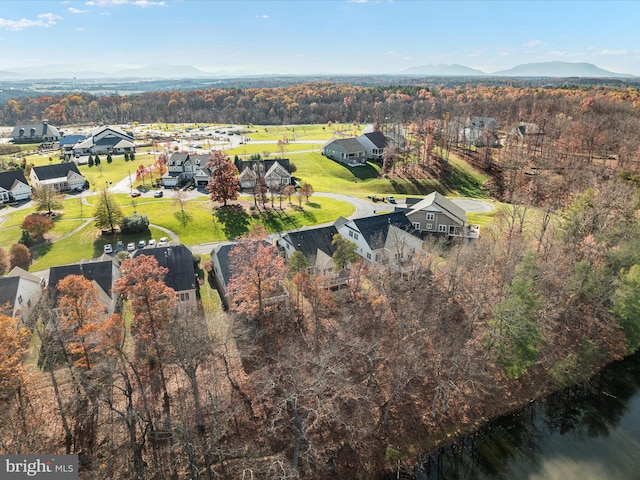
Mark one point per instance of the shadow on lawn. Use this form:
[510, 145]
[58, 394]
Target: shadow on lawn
[462, 182]
[234, 220]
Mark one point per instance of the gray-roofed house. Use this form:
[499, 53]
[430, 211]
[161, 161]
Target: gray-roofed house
[61, 176]
[13, 186]
[437, 215]
[385, 239]
[67, 143]
[348, 151]
[103, 140]
[35, 133]
[277, 172]
[102, 274]
[222, 272]
[315, 244]
[184, 167]
[19, 293]
[181, 275]
[374, 143]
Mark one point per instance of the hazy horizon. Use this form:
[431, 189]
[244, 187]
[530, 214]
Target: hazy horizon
[319, 37]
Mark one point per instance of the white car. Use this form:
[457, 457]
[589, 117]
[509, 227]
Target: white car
[108, 248]
[131, 246]
[164, 241]
[152, 243]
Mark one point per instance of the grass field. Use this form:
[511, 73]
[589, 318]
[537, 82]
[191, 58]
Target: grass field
[272, 149]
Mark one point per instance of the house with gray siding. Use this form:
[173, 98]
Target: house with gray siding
[437, 215]
[348, 151]
[35, 133]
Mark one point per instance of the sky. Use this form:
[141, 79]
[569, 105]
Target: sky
[326, 37]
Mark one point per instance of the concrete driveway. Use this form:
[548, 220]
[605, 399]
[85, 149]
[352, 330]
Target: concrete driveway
[472, 205]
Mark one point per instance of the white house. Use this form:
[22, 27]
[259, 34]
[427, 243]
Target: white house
[104, 140]
[60, 176]
[13, 186]
[19, 293]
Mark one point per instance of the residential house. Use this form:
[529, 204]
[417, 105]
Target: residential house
[104, 140]
[35, 133]
[181, 275]
[13, 186]
[383, 239]
[315, 244]
[276, 173]
[184, 167]
[525, 133]
[19, 293]
[374, 143]
[475, 131]
[437, 215]
[102, 273]
[61, 176]
[348, 151]
[223, 272]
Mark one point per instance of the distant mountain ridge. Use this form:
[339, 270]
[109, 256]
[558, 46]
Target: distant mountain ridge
[168, 71]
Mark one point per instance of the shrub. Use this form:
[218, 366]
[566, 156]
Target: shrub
[134, 224]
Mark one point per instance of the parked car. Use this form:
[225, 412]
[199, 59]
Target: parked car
[158, 194]
[131, 246]
[108, 248]
[135, 194]
[164, 241]
[142, 244]
[390, 199]
[119, 246]
[152, 243]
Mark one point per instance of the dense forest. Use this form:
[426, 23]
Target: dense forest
[374, 376]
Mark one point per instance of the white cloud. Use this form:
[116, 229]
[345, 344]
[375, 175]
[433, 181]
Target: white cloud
[262, 16]
[147, 3]
[607, 51]
[77, 10]
[79, 29]
[532, 43]
[106, 3]
[44, 20]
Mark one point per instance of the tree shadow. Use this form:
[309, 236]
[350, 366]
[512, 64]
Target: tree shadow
[462, 182]
[234, 220]
[313, 205]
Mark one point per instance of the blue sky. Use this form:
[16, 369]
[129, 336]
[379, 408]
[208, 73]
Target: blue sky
[329, 36]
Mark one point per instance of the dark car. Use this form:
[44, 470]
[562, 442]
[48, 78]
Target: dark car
[158, 194]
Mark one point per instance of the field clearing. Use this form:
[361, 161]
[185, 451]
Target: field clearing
[272, 149]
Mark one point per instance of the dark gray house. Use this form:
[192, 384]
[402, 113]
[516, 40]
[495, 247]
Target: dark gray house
[374, 143]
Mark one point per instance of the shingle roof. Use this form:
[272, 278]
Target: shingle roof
[39, 130]
[444, 204]
[100, 272]
[71, 139]
[310, 241]
[374, 229]
[178, 259]
[9, 178]
[56, 170]
[223, 259]
[284, 162]
[8, 292]
[377, 138]
[350, 145]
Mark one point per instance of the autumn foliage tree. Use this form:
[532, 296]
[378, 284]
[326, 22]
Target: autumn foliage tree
[107, 211]
[151, 300]
[258, 273]
[14, 347]
[36, 225]
[46, 198]
[223, 185]
[19, 256]
[4, 261]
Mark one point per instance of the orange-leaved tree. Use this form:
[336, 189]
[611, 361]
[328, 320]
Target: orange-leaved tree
[36, 225]
[14, 347]
[257, 274]
[142, 284]
[223, 184]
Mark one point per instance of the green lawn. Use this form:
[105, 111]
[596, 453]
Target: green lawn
[319, 133]
[100, 176]
[272, 149]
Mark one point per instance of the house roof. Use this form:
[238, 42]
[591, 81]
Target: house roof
[56, 170]
[178, 259]
[377, 138]
[71, 139]
[9, 178]
[177, 158]
[99, 272]
[116, 130]
[443, 204]
[8, 292]
[20, 272]
[374, 229]
[350, 145]
[308, 242]
[268, 164]
[40, 130]
[222, 252]
[483, 122]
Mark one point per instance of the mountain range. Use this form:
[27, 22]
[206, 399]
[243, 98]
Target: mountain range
[168, 71]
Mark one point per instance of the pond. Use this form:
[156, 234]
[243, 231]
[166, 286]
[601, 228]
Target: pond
[589, 431]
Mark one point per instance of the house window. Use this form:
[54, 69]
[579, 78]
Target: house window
[184, 296]
[429, 226]
[431, 216]
[350, 233]
[377, 257]
[20, 299]
[368, 256]
[442, 228]
[416, 225]
[355, 236]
